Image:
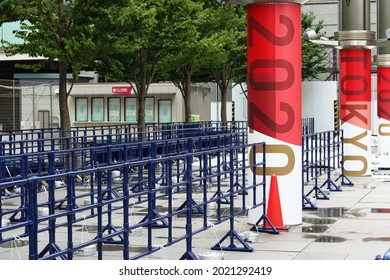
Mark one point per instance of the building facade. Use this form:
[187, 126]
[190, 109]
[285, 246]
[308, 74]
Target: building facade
[29, 100]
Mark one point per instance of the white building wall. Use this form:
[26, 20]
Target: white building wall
[35, 97]
[216, 111]
[241, 103]
[318, 102]
[200, 100]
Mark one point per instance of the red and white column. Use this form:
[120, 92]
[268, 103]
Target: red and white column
[275, 99]
[383, 96]
[355, 110]
[355, 43]
[382, 61]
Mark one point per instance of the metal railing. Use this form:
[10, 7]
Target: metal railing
[30, 141]
[174, 182]
[322, 153]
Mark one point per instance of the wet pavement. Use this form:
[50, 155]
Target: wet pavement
[354, 224]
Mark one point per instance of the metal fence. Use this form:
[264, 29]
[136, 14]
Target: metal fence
[322, 154]
[117, 189]
[308, 126]
[38, 140]
[27, 104]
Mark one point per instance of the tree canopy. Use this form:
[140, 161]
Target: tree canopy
[143, 41]
[225, 40]
[314, 57]
[55, 30]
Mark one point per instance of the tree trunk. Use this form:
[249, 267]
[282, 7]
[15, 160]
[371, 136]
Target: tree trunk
[223, 104]
[223, 87]
[187, 94]
[62, 69]
[142, 92]
[141, 115]
[63, 96]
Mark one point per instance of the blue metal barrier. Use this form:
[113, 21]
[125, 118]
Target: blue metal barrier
[385, 256]
[308, 126]
[322, 153]
[30, 141]
[189, 176]
[97, 156]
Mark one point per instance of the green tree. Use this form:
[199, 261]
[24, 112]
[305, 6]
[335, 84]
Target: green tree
[56, 30]
[224, 27]
[314, 57]
[185, 47]
[134, 43]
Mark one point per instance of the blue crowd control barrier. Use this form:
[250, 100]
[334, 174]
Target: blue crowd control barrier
[322, 153]
[63, 161]
[29, 141]
[308, 126]
[385, 256]
[98, 154]
[75, 190]
[103, 153]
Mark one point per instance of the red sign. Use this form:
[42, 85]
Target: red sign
[355, 87]
[383, 74]
[122, 90]
[274, 71]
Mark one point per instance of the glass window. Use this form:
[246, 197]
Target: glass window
[164, 111]
[97, 109]
[114, 109]
[131, 109]
[149, 109]
[81, 109]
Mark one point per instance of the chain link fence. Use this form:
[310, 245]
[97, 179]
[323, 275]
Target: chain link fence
[28, 104]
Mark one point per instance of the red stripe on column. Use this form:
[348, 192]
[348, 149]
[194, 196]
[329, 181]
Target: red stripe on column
[355, 87]
[383, 76]
[274, 71]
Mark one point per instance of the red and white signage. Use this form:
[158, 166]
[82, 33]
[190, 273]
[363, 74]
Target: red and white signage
[383, 83]
[275, 100]
[122, 90]
[355, 110]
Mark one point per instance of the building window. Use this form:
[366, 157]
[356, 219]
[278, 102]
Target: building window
[131, 110]
[164, 111]
[81, 109]
[114, 109]
[44, 118]
[149, 109]
[97, 109]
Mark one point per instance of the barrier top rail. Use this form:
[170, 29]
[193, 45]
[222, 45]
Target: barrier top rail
[113, 215]
[36, 163]
[127, 127]
[42, 140]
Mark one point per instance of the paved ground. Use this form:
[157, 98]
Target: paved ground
[354, 224]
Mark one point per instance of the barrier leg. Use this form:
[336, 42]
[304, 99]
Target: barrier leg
[264, 218]
[331, 185]
[219, 191]
[344, 179]
[51, 247]
[306, 200]
[306, 166]
[189, 254]
[109, 228]
[232, 234]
